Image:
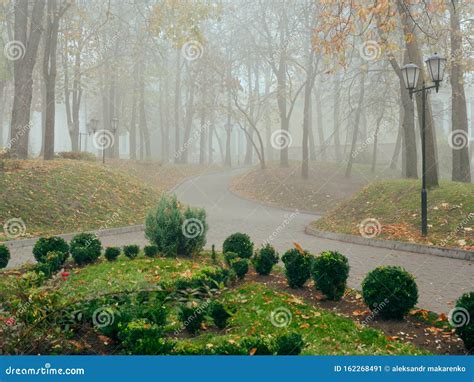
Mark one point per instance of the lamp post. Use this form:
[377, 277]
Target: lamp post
[114, 128]
[410, 74]
[92, 126]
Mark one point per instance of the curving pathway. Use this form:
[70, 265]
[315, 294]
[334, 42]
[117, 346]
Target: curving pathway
[440, 280]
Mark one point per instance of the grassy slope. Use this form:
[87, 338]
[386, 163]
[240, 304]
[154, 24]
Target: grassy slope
[325, 187]
[68, 196]
[396, 205]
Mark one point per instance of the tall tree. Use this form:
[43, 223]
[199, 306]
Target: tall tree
[461, 171]
[53, 15]
[27, 37]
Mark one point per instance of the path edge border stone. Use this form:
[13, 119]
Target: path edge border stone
[459, 254]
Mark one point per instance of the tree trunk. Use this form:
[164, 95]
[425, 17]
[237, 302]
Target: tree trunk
[319, 121]
[2, 100]
[376, 135]
[143, 122]
[133, 122]
[356, 124]
[398, 142]
[336, 117]
[202, 138]
[23, 73]
[461, 171]
[188, 123]
[228, 129]
[307, 116]
[407, 117]
[414, 53]
[177, 105]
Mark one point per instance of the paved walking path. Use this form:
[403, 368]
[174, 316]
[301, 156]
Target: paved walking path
[440, 280]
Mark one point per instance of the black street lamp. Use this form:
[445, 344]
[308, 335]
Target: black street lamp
[114, 129]
[410, 74]
[92, 126]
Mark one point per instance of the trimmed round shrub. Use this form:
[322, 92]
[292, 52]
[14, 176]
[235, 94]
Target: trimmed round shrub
[85, 248]
[44, 245]
[229, 257]
[142, 337]
[462, 318]
[257, 346]
[330, 272]
[239, 243]
[150, 250]
[289, 344]
[264, 259]
[111, 253]
[228, 348]
[4, 256]
[191, 317]
[391, 291]
[51, 264]
[131, 251]
[297, 267]
[176, 232]
[219, 314]
[240, 267]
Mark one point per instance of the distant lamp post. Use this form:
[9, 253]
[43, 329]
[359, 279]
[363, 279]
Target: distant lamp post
[114, 123]
[410, 74]
[92, 126]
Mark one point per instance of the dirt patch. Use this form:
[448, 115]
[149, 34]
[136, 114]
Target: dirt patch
[422, 334]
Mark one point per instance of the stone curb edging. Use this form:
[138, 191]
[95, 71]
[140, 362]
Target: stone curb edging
[459, 254]
[68, 236]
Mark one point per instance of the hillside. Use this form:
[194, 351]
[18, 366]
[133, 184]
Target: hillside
[396, 206]
[68, 196]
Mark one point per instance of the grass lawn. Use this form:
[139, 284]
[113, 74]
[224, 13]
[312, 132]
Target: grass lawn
[63, 196]
[251, 303]
[324, 332]
[396, 205]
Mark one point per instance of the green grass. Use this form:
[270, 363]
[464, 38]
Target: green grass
[123, 275]
[324, 332]
[68, 196]
[251, 304]
[396, 205]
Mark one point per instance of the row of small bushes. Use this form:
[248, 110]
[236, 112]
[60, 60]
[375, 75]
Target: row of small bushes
[290, 343]
[239, 254]
[389, 291]
[138, 320]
